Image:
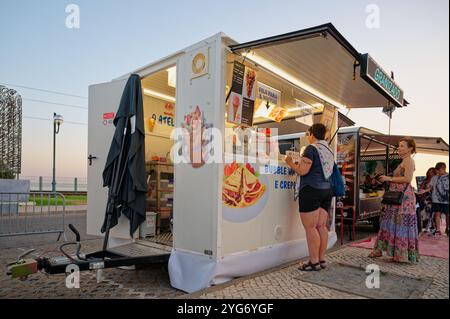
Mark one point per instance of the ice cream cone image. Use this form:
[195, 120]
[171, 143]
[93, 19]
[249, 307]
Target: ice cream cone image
[151, 124]
[194, 123]
[250, 81]
[236, 103]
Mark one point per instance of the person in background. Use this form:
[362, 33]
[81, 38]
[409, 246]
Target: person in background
[439, 196]
[424, 198]
[315, 169]
[398, 234]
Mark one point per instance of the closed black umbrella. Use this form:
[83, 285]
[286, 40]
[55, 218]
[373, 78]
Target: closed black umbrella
[124, 171]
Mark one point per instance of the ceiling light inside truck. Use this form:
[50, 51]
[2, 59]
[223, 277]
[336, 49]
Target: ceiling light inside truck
[159, 95]
[172, 76]
[290, 78]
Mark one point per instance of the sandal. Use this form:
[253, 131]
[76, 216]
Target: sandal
[309, 267]
[323, 264]
[374, 254]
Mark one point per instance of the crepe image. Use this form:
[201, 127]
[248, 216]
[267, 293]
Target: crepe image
[253, 189]
[277, 114]
[242, 188]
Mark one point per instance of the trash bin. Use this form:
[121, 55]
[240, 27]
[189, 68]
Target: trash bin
[148, 227]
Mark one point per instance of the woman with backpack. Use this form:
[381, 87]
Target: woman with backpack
[315, 194]
[439, 195]
[424, 199]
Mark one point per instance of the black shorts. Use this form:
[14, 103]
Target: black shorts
[439, 208]
[311, 199]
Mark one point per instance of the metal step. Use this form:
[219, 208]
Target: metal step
[163, 239]
[139, 250]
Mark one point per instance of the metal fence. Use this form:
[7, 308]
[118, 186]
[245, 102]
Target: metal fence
[32, 213]
[44, 183]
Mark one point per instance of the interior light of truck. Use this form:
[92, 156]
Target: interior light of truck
[307, 119]
[158, 95]
[272, 68]
[172, 77]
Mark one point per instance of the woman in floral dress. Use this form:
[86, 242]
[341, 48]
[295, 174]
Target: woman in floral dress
[398, 235]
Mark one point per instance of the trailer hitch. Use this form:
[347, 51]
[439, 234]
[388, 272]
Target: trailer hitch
[98, 260]
[22, 268]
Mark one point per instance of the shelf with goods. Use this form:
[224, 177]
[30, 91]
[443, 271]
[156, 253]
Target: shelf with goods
[160, 195]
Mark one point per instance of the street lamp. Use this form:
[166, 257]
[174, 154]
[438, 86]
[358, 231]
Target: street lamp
[57, 121]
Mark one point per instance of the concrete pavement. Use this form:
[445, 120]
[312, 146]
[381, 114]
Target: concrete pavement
[283, 282]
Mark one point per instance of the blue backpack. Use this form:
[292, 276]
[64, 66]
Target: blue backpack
[337, 182]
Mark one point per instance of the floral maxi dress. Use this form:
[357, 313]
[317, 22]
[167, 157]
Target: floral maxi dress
[398, 234]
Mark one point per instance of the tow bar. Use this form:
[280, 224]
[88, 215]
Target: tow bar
[103, 259]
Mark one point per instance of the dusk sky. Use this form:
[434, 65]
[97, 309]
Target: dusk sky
[115, 37]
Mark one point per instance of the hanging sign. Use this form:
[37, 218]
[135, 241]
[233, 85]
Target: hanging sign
[377, 77]
[306, 115]
[277, 114]
[241, 104]
[327, 119]
[269, 94]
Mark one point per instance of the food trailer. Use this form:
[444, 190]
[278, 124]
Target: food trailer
[233, 213]
[362, 155]
[221, 231]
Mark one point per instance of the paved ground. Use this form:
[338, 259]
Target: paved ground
[153, 282]
[282, 283]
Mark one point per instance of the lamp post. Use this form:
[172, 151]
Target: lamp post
[57, 121]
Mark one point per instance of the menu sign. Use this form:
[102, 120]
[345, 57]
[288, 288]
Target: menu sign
[266, 93]
[241, 104]
[305, 115]
[346, 161]
[327, 119]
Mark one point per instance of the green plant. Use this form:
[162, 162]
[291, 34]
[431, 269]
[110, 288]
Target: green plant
[6, 173]
[69, 200]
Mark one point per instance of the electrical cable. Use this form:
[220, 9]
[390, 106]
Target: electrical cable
[44, 119]
[43, 90]
[66, 254]
[47, 252]
[55, 103]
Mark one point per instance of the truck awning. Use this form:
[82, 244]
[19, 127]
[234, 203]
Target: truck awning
[424, 144]
[321, 61]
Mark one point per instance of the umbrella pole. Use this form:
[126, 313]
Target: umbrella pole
[113, 190]
[110, 210]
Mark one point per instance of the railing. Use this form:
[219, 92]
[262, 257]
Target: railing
[44, 183]
[32, 213]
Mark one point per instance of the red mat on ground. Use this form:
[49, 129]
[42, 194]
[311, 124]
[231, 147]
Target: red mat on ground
[434, 246]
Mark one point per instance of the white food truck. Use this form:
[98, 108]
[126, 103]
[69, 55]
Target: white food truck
[282, 82]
